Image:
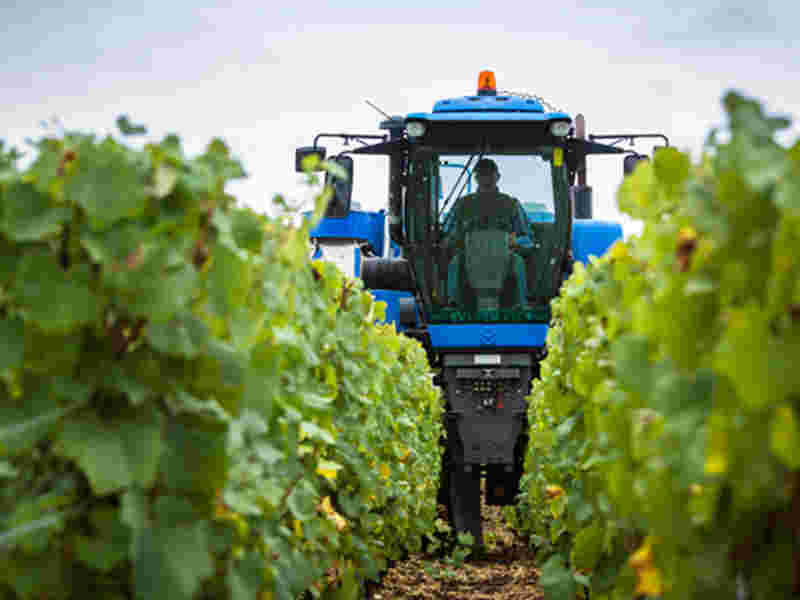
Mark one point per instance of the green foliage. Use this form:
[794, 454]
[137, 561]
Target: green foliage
[188, 407]
[461, 546]
[664, 430]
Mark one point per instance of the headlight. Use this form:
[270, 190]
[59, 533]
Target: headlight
[559, 128]
[415, 129]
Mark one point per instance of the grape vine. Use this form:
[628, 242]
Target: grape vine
[188, 407]
[665, 430]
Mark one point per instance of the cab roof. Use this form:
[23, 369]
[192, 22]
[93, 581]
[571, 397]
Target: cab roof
[487, 102]
[486, 107]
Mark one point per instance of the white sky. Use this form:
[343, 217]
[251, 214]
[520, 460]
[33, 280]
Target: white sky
[267, 77]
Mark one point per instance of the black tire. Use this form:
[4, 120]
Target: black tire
[464, 505]
[443, 495]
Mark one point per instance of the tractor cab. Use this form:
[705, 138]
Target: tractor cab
[479, 200]
[500, 220]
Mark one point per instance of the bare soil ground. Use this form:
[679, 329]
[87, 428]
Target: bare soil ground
[505, 571]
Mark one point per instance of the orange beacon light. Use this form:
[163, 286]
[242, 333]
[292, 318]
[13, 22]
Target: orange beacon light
[487, 84]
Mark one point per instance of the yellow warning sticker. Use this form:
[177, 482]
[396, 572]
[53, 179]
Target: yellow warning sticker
[558, 157]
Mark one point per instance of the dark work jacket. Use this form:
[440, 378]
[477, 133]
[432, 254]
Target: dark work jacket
[486, 210]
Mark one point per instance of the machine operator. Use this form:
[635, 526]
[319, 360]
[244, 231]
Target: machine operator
[488, 208]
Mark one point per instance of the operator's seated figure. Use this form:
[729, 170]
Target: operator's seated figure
[488, 208]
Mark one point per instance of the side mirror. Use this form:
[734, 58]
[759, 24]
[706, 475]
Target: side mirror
[630, 161]
[339, 205]
[581, 201]
[301, 153]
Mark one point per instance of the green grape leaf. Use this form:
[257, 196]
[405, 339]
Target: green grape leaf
[587, 547]
[185, 335]
[171, 511]
[257, 396]
[116, 244]
[787, 195]
[748, 118]
[231, 363]
[114, 455]
[47, 164]
[558, 505]
[28, 215]
[316, 401]
[9, 261]
[25, 423]
[632, 364]
[8, 164]
[164, 180]
[133, 387]
[700, 285]
[161, 294]
[785, 436]
[12, 343]
[134, 513]
[315, 432]
[557, 580]
[17, 536]
[127, 128]
[56, 300]
[111, 544]
[248, 230]
[750, 356]
[268, 454]
[671, 166]
[171, 562]
[638, 192]
[302, 501]
[246, 577]
[191, 442]
[675, 394]
[7, 470]
[182, 402]
[107, 184]
[49, 353]
[217, 158]
[230, 279]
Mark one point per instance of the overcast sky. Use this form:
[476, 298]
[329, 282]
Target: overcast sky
[268, 76]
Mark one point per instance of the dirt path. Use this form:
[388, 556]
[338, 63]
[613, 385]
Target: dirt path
[506, 571]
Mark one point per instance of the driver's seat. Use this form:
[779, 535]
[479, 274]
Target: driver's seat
[483, 269]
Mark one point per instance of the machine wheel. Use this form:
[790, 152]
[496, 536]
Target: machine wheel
[464, 505]
[443, 496]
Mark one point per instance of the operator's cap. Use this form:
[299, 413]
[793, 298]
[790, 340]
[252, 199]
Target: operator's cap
[486, 165]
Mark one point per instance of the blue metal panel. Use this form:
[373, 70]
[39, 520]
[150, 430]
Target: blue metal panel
[392, 298]
[466, 116]
[357, 225]
[357, 262]
[522, 335]
[590, 237]
[395, 251]
[501, 102]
